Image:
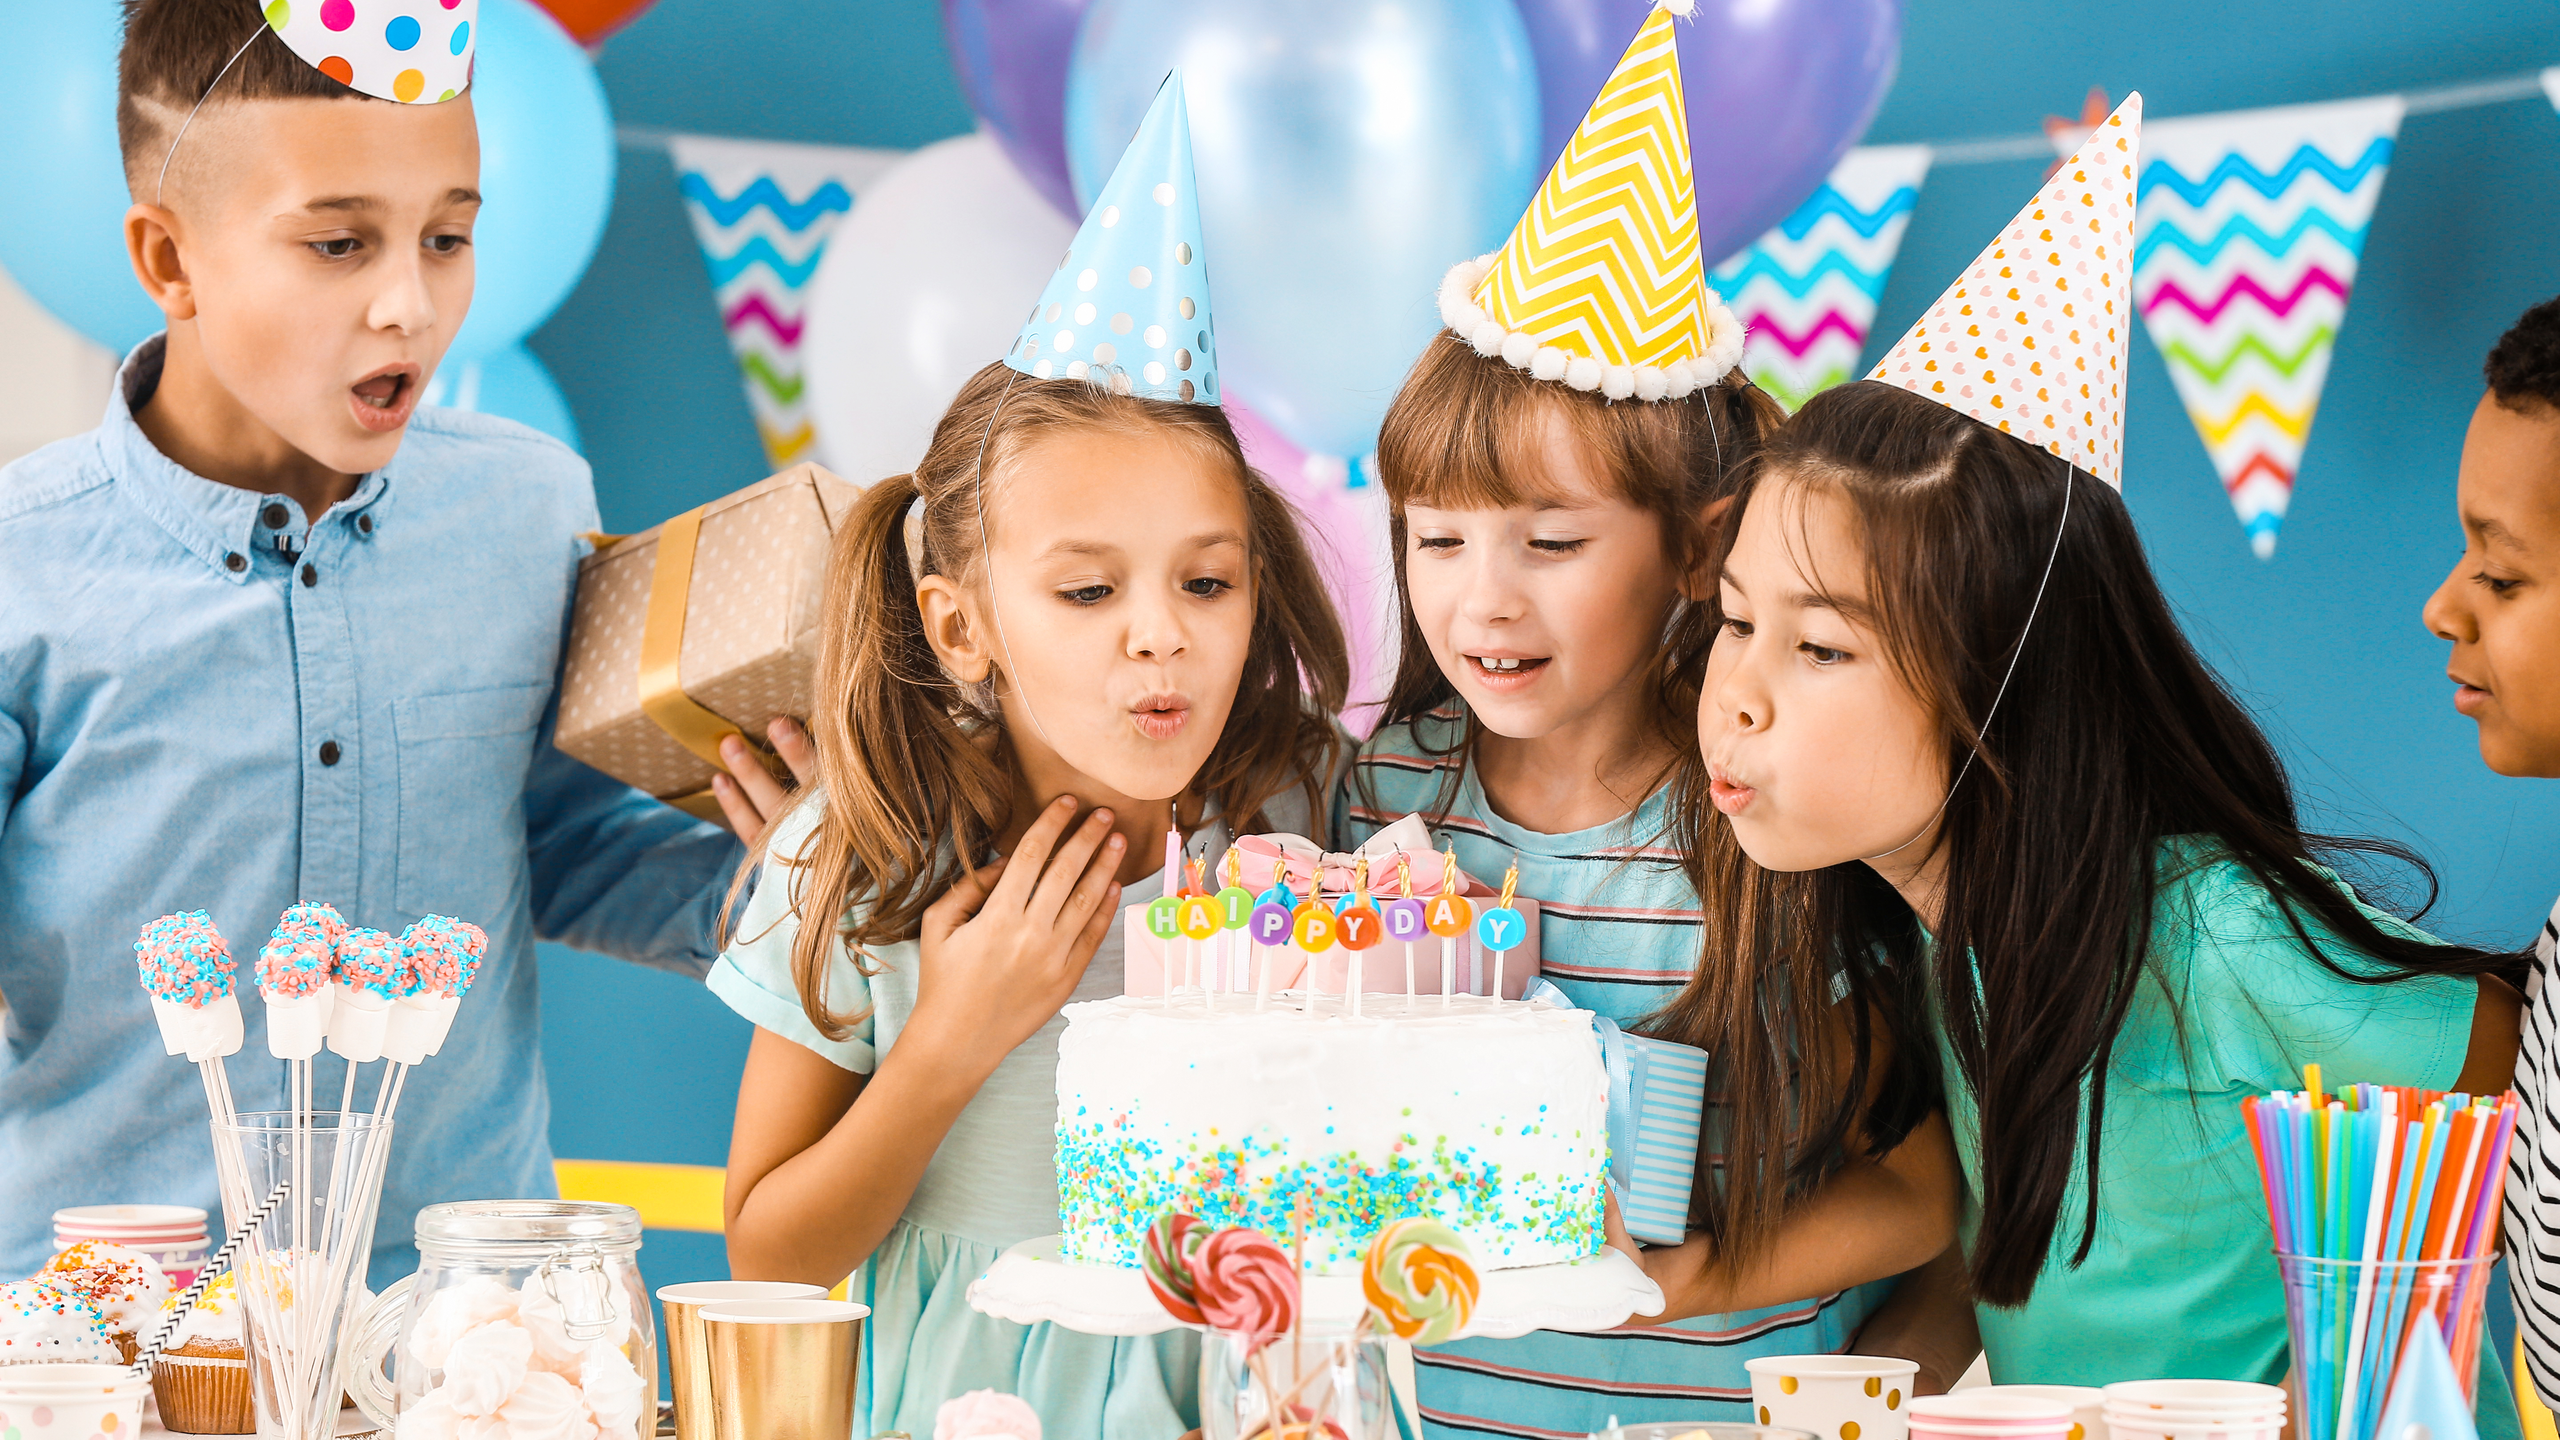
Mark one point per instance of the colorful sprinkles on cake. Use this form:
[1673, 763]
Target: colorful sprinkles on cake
[371, 961]
[299, 956]
[183, 959]
[1110, 1179]
[443, 955]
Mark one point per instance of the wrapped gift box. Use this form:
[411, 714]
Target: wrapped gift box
[1265, 858]
[697, 629]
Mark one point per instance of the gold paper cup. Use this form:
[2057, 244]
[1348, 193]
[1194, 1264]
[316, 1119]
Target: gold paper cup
[782, 1369]
[688, 1363]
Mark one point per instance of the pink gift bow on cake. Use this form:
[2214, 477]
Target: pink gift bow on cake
[1265, 858]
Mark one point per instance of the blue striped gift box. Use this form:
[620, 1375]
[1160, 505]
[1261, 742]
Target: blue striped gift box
[1653, 1150]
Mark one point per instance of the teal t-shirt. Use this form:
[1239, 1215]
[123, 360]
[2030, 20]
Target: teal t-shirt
[2182, 1280]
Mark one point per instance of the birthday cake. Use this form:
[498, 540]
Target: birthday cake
[1487, 1115]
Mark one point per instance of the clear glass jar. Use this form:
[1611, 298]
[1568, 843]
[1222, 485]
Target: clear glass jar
[529, 1310]
[1317, 1381]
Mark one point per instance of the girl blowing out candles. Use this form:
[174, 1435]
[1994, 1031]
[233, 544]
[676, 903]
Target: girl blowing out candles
[1080, 622]
[1959, 747]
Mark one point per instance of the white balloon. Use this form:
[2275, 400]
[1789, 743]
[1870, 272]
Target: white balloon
[925, 282]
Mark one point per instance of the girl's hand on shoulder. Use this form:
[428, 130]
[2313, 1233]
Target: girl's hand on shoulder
[1005, 948]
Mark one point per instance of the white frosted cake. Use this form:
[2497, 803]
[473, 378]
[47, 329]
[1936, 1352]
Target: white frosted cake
[1487, 1115]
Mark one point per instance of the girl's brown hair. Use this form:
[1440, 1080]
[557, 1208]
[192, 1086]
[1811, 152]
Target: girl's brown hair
[2113, 738]
[1469, 431]
[912, 790]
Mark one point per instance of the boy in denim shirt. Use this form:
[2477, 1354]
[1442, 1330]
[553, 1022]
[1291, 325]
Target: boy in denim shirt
[273, 633]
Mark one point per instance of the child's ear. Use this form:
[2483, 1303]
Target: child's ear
[1698, 580]
[948, 628]
[151, 244]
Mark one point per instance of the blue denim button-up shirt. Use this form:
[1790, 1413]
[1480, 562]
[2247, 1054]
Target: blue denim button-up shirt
[193, 718]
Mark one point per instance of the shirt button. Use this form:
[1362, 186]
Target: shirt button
[235, 562]
[310, 576]
[364, 524]
[274, 516]
[329, 752]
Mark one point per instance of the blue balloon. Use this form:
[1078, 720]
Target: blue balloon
[1349, 152]
[546, 173]
[511, 384]
[62, 228]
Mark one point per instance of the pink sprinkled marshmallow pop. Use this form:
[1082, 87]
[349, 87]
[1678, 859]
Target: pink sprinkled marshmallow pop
[294, 970]
[371, 973]
[443, 956]
[188, 971]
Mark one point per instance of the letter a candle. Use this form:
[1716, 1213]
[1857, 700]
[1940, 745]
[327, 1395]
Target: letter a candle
[1448, 916]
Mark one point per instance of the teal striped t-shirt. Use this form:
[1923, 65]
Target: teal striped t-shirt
[1618, 932]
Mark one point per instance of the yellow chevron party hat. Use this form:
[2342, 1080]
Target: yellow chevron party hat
[2031, 340]
[1599, 285]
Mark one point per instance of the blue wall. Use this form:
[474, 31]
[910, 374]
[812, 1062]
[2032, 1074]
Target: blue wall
[2323, 640]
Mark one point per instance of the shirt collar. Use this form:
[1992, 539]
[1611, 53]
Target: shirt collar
[218, 524]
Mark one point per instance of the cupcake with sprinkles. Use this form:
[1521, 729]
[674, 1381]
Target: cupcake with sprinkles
[125, 1287]
[188, 971]
[443, 958]
[294, 971]
[202, 1379]
[372, 971]
[43, 1322]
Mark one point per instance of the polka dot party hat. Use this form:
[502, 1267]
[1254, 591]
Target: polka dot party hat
[405, 50]
[2032, 338]
[1130, 302]
[1599, 285]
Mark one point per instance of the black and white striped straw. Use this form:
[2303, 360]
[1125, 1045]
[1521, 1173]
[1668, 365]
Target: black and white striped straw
[214, 1265]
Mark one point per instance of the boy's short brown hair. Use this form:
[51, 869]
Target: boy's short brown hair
[174, 50]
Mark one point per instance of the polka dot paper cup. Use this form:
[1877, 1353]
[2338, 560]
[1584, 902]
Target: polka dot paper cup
[1833, 1397]
[71, 1402]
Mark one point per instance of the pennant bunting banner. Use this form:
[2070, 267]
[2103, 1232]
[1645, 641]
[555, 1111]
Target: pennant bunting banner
[2248, 229]
[1807, 290]
[763, 210]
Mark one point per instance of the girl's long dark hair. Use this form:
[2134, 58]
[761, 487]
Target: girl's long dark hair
[2113, 738]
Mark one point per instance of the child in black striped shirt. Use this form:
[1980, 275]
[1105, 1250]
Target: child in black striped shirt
[2501, 609]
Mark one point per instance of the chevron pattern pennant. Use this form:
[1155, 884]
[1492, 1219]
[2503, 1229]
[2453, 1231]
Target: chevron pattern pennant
[763, 211]
[1808, 289]
[2248, 230]
[1604, 266]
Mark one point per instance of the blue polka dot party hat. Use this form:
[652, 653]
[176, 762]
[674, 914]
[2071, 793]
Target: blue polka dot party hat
[1130, 302]
[412, 51]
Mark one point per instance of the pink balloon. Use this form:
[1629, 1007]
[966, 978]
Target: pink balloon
[1347, 529]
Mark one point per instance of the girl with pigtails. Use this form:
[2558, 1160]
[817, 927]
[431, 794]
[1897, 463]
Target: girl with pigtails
[1082, 621]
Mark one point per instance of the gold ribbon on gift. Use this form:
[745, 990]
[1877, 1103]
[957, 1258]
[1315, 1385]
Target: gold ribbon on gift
[662, 696]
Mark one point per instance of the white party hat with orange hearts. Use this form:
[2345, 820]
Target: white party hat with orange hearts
[2031, 340]
[1599, 285]
[412, 51]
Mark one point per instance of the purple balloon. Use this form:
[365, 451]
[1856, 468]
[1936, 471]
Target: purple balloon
[1012, 58]
[1777, 91]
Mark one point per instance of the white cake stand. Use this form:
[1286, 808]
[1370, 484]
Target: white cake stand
[1030, 1283]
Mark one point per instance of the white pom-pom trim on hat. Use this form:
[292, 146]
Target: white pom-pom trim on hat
[1521, 350]
[1682, 8]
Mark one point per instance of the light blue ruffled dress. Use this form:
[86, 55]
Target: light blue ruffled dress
[992, 1183]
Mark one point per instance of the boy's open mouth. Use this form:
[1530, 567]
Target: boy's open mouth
[383, 399]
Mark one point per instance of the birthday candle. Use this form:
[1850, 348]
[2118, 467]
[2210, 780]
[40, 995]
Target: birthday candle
[1360, 926]
[1448, 917]
[1501, 927]
[1403, 917]
[1235, 908]
[1269, 929]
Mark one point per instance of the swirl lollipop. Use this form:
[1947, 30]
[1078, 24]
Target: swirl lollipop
[1420, 1280]
[1245, 1286]
[1171, 1243]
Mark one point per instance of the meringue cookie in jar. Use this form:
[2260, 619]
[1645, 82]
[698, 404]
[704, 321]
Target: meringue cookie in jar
[527, 1319]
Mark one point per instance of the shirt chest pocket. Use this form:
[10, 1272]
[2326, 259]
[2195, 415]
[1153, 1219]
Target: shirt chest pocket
[464, 756]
